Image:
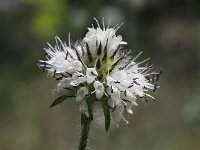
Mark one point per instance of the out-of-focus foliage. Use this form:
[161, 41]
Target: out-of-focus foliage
[49, 15]
[167, 30]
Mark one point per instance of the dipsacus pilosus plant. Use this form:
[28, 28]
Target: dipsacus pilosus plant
[97, 69]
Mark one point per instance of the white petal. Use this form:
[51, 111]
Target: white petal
[129, 110]
[134, 103]
[74, 83]
[90, 79]
[74, 66]
[91, 74]
[118, 117]
[99, 89]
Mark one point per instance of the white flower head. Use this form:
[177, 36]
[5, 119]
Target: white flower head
[98, 68]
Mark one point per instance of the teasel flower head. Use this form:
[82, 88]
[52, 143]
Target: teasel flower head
[98, 69]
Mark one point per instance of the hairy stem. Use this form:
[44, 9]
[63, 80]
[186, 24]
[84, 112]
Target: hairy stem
[84, 133]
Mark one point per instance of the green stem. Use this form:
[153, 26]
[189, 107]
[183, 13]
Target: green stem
[84, 133]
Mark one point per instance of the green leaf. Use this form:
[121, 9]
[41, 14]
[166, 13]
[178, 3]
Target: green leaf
[84, 132]
[59, 100]
[89, 102]
[83, 119]
[104, 103]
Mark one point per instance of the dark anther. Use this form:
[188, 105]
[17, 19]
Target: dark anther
[117, 82]
[136, 82]
[135, 78]
[126, 100]
[130, 86]
[80, 75]
[69, 74]
[93, 73]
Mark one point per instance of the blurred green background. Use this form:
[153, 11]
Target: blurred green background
[166, 30]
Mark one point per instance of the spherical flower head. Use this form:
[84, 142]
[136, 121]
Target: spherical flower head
[99, 69]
